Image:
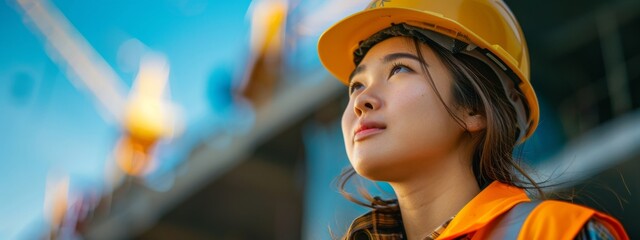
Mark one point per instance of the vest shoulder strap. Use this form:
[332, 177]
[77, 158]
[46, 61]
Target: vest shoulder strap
[509, 225]
[541, 220]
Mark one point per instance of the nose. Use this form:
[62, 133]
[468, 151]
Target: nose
[366, 101]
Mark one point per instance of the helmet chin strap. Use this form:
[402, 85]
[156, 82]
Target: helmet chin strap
[508, 79]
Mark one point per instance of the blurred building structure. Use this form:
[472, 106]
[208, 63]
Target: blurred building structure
[260, 165]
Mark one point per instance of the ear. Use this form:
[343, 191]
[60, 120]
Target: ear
[475, 122]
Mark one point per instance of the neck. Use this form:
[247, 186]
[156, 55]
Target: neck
[429, 200]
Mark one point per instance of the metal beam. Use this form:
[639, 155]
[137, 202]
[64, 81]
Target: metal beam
[600, 149]
[614, 63]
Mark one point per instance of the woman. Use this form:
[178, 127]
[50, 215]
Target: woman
[439, 95]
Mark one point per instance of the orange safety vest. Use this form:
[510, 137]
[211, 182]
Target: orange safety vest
[502, 211]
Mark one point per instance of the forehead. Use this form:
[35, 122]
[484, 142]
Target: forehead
[397, 45]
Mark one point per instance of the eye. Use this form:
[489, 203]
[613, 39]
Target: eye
[399, 68]
[354, 86]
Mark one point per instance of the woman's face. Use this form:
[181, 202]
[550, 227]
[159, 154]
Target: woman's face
[395, 125]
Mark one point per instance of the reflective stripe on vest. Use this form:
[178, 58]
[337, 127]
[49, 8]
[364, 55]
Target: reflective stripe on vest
[509, 225]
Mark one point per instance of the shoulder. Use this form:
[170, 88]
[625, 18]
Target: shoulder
[553, 219]
[553, 210]
[598, 228]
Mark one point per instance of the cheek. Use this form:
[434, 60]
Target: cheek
[412, 103]
[348, 117]
[423, 124]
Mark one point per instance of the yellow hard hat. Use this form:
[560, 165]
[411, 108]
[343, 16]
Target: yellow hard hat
[487, 24]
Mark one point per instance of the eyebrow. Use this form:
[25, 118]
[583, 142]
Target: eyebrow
[359, 69]
[388, 58]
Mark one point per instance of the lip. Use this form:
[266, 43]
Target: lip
[367, 129]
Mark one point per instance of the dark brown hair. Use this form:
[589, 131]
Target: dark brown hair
[475, 87]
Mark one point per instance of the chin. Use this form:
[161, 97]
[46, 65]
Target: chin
[375, 169]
